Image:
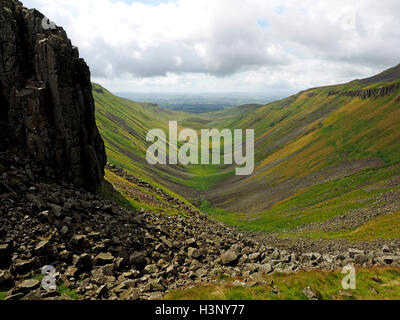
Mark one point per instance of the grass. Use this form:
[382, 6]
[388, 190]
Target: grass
[205, 177]
[386, 227]
[290, 287]
[65, 291]
[61, 288]
[134, 197]
[107, 191]
[318, 203]
[124, 125]
[295, 137]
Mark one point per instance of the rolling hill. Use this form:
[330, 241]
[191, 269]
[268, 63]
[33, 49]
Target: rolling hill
[327, 159]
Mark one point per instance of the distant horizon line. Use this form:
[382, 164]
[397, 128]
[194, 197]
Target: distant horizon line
[201, 93]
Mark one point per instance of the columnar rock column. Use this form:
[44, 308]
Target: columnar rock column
[46, 103]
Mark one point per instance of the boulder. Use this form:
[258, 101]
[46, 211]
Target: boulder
[71, 272]
[229, 258]
[130, 294]
[360, 259]
[22, 266]
[79, 240]
[6, 278]
[354, 252]
[82, 262]
[265, 269]
[385, 249]
[138, 259]
[254, 257]
[4, 255]
[194, 253]
[150, 269]
[310, 293]
[28, 285]
[103, 259]
[43, 247]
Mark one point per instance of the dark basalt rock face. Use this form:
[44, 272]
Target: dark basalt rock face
[373, 93]
[46, 103]
[368, 93]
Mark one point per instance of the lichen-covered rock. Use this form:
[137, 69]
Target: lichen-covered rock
[46, 104]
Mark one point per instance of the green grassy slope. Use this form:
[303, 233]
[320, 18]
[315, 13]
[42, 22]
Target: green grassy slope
[322, 153]
[124, 125]
[316, 153]
[372, 284]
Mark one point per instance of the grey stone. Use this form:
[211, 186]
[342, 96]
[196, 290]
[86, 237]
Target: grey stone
[28, 285]
[265, 269]
[229, 258]
[310, 293]
[103, 259]
[354, 252]
[138, 259]
[6, 278]
[83, 261]
[194, 253]
[254, 257]
[79, 240]
[43, 247]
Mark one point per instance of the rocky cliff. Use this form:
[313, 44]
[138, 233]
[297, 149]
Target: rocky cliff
[373, 92]
[368, 93]
[46, 104]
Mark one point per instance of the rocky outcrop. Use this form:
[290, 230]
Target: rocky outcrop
[368, 93]
[47, 106]
[333, 93]
[373, 92]
[102, 251]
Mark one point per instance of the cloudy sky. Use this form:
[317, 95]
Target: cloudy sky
[272, 46]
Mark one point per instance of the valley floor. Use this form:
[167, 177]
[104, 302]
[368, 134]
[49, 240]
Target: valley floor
[319, 277]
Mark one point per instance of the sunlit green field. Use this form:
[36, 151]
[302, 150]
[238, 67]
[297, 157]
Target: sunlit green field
[318, 203]
[326, 285]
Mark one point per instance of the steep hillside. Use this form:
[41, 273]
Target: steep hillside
[124, 125]
[326, 158]
[322, 153]
[129, 239]
[389, 75]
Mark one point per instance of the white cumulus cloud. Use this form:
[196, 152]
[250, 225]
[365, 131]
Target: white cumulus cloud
[276, 46]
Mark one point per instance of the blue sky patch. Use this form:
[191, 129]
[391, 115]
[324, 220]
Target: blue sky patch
[263, 23]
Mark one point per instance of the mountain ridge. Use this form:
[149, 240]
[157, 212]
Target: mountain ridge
[388, 75]
[132, 239]
[317, 137]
